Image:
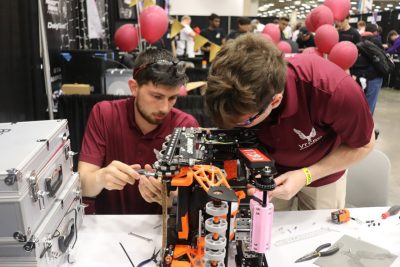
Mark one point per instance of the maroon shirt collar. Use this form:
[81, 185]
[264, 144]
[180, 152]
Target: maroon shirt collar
[157, 132]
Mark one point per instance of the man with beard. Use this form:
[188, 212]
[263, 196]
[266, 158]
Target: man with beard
[121, 135]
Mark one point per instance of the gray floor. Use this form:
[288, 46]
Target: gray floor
[387, 120]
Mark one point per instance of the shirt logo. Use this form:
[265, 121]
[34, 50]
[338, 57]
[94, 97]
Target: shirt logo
[309, 138]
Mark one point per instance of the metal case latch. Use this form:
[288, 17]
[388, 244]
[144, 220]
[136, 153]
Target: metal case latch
[33, 186]
[12, 177]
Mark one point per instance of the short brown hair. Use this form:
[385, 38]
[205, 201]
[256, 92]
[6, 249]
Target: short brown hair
[244, 76]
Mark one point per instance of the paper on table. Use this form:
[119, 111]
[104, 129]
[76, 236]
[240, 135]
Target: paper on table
[354, 252]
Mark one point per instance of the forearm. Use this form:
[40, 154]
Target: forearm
[90, 186]
[339, 159]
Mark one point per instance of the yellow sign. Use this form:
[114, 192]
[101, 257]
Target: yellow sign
[214, 49]
[133, 3]
[147, 3]
[199, 41]
[176, 27]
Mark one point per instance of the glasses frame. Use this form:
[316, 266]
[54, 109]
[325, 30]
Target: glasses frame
[162, 66]
[250, 120]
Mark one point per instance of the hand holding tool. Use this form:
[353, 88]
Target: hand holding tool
[318, 253]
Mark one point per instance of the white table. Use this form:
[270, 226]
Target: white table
[99, 236]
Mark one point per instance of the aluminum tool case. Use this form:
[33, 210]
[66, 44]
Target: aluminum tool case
[25, 148]
[43, 163]
[55, 238]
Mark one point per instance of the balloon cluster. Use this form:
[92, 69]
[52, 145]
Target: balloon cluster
[320, 20]
[153, 25]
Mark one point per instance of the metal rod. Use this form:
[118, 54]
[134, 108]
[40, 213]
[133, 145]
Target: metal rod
[46, 60]
[126, 253]
[228, 220]
[140, 236]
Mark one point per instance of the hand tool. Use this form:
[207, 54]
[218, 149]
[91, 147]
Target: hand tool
[318, 253]
[152, 258]
[392, 211]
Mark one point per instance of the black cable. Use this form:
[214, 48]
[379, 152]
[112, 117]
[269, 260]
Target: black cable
[126, 253]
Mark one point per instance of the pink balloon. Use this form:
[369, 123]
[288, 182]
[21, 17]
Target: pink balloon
[266, 36]
[126, 38]
[321, 15]
[153, 23]
[344, 54]
[340, 8]
[312, 50]
[285, 47]
[325, 38]
[309, 25]
[273, 31]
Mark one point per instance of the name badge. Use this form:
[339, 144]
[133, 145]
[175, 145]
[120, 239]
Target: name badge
[218, 36]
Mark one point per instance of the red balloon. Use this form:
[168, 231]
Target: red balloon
[266, 36]
[153, 23]
[285, 47]
[309, 25]
[325, 38]
[321, 15]
[340, 8]
[312, 50]
[273, 31]
[344, 54]
[126, 38]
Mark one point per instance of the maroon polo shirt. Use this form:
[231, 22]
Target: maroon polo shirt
[112, 134]
[322, 107]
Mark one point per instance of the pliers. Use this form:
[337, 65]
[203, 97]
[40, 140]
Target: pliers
[318, 253]
[153, 258]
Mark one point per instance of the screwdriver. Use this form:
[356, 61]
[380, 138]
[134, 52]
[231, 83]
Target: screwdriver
[392, 211]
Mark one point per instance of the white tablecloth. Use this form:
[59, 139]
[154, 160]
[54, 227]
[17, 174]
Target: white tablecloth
[99, 237]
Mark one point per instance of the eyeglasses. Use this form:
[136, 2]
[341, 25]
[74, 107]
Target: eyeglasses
[163, 67]
[254, 117]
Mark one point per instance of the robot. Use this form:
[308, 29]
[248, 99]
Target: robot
[213, 221]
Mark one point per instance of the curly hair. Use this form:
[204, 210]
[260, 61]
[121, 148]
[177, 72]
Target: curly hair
[244, 76]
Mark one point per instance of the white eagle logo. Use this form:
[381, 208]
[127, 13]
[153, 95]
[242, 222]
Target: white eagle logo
[309, 137]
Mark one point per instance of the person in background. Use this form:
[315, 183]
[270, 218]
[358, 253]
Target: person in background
[244, 26]
[296, 31]
[346, 32]
[393, 42]
[213, 33]
[314, 121]
[364, 68]
[283, 24]
[361, 27]
[121, 135]
[305, 39]
[258, 27]
[185, 44]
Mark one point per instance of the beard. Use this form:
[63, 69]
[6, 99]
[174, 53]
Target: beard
[149, 117]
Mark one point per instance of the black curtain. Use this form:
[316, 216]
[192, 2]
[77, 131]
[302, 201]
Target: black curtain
[22, 91]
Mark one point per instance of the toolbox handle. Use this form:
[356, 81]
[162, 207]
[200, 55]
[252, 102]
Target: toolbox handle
[53, 186]
[63, 242]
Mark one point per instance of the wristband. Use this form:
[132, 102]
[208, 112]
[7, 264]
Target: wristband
[308, 176]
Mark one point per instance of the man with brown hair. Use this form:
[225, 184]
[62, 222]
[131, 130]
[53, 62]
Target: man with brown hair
[312, 117]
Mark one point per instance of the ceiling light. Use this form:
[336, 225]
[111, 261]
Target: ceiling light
[389, 5]
[297, 3]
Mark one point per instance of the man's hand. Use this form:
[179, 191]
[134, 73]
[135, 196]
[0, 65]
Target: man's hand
[288, 184]
[150, 187]
[116, 175]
